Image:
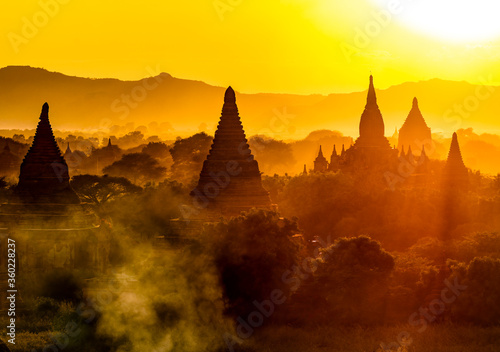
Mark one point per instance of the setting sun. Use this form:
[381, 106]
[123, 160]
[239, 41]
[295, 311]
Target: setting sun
[452, 20]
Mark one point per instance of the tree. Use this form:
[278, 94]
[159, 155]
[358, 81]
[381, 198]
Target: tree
[188, 155]
[251, 253]
[157, 150]
[100, 189]
[479, 291]
[138, 167]
[350, 283]
[273, 156]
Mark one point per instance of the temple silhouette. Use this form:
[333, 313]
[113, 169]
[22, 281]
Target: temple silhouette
[371, 149]
[455, 172]
[44, 209]
[230, 180]
[414, 133]
[44, 177]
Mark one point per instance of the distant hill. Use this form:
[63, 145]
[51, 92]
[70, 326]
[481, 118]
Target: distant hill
[182, 107]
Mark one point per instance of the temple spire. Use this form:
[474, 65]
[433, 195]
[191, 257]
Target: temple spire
[455, 169]
[305, 170]
[45, 112]
[230, 96]
[402, 155]
[44, 174]
[68, 149]
[109, 142]
[409, 154]
[371, 124]
[423, 156]
[454, 155]
[371, 98]
[320, 154]
[423, 152]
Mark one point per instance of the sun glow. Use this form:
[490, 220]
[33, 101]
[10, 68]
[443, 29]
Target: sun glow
[451, 20]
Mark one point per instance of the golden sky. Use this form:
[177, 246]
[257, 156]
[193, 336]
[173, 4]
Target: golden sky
[295, 46]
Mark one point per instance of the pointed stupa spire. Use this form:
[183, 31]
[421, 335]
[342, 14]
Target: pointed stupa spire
[343, 151]
[44, 115]
[230, 96]
[422, 153]
[402, 155]
[455, 168]
[320, 154]
[230, 155]
[409, 155]
[454, 155]
[44, 174]
[109, 142]
[371, 125]
[423, 156]
[68, 150]
[334, 153]
[305, 170]
[371, 98]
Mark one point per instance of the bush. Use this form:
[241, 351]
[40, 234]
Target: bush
[478, 303]
[61, 285]
[251, 254]
[349, 285]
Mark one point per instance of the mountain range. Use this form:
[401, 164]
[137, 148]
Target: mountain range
[167, 105]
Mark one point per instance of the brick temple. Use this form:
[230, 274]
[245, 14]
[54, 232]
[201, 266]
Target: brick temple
[230, 180]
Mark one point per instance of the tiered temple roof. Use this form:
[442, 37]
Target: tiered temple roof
[44, 176]
[414, 131]
[230, 180]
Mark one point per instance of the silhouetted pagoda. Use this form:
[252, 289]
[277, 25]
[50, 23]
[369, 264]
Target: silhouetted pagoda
[320, 163]
[44, 210]
[75, 159]
[44, 176]
[334, 160]
[371, 149]
[455, 172]
[414, 132]
[230, 180]
[102, 157]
